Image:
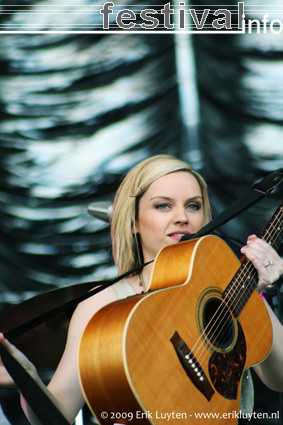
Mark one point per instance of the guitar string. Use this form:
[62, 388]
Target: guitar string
[227, 326]
[246, 267]
[249, 267]
[268, 235]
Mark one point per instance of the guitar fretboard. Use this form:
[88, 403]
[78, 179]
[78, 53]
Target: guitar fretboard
[245, 281]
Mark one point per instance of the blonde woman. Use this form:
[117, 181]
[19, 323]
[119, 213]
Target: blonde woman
[160, 200]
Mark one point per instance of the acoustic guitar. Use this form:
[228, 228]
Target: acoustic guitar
[177, 353]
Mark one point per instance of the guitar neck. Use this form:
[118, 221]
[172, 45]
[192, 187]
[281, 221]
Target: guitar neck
[245, 281]
[273, 230]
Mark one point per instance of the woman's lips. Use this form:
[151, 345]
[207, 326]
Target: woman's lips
[178, 235]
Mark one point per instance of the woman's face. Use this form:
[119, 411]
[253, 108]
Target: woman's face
[171, 207]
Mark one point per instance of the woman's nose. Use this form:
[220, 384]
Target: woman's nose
[181, 216]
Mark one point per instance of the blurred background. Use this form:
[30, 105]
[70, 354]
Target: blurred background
[78, 110]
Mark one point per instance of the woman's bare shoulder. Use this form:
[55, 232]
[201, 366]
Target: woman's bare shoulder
[86, 309]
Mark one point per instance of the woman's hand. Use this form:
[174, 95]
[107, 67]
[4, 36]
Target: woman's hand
[265, 259]
[5, 378]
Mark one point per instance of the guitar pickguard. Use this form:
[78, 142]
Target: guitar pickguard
[225, 369]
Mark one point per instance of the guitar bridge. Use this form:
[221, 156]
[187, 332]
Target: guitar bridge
[191, 366]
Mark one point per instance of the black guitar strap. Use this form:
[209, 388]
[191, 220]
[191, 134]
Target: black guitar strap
[43, 407]
[250, 197]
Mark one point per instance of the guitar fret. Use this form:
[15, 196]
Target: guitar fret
[244, 282]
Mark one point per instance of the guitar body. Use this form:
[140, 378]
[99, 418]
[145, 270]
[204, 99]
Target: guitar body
[155, 357]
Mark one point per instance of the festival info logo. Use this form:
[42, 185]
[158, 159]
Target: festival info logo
[109, 17]
[173, 17]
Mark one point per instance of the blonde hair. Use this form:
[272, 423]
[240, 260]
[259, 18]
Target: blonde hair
[125, 243]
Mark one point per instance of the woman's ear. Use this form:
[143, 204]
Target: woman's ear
[135, 228]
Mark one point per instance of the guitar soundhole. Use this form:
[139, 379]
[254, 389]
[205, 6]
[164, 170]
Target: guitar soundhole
[218, 324]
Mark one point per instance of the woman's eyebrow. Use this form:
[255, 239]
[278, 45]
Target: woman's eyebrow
[167, 198]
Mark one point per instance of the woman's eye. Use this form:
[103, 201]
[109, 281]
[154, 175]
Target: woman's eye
[194, 206]
[162, 206]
